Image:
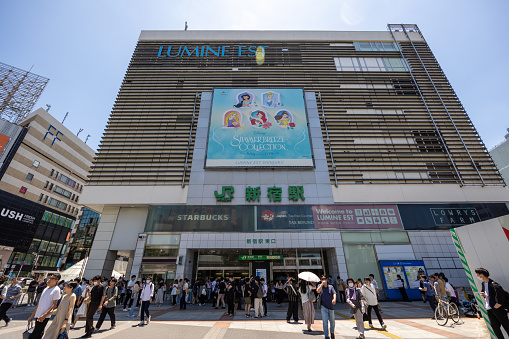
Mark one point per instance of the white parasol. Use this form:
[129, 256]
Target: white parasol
[309, 276]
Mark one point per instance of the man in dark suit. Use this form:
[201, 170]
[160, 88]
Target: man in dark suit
[496, 302]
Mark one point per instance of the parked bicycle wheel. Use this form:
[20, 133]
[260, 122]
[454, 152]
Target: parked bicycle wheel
[441, 315]
[454, 312]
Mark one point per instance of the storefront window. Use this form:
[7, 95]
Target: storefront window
[222, 258]
[374, 237]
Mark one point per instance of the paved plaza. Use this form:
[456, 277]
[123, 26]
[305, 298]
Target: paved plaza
[404, 320]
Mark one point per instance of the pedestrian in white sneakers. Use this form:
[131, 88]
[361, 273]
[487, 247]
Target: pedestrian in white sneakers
[369, 293]
[147, 293]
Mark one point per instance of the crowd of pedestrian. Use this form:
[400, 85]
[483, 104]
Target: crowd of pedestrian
[80, 298]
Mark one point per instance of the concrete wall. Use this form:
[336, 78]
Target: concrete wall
[439, 254]
[130, 223]
[487, 245]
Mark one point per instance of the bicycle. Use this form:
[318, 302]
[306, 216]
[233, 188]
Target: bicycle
[446, 310]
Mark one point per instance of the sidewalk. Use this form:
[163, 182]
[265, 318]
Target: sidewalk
[404, 320]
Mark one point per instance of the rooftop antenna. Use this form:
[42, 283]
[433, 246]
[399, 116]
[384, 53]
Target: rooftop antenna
[65, 117]
[185, 28]
[48, 107]
[81, 130]
[88, 136]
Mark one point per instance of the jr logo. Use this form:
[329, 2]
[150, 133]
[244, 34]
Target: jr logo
[55, 136]
[226, 194]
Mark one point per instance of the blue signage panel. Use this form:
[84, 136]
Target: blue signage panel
[258, 128]
[409, 270]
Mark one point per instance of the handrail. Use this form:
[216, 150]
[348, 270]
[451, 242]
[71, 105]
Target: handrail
[189, 140]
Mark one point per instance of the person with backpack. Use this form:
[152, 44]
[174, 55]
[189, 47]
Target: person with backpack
[221, 293]
[293, 300]
[258, 297]
[369, 292]
[247, 296]
[230, 296]
[110, 301]
[497, 300]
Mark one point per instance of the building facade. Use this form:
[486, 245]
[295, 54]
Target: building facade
[43, 169]
[273, 152]
[80, 242]
[500, 155]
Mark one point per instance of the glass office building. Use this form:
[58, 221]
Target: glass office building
[274, 152]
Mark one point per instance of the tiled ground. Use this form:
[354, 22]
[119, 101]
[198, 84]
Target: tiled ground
[404, 320]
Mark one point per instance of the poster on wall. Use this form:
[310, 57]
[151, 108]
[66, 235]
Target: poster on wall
[258, 128]
[390, 274]
[413, 274]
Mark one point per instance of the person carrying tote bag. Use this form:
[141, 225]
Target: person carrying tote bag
[369, 293]
[354, 298]
[61, 323]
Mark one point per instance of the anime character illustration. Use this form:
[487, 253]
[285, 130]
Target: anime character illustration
[284, 119]
[271, 99]
[245, 99]
[259, 119]
[232, 119]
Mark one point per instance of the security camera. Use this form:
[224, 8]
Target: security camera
[142, 235]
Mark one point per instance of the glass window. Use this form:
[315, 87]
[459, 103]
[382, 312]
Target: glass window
[361, 261]
[160, 252]
[371, 64]
[58, 204]
[52, 171]
[63, 192]
[46, 184]
[40, 197]
[163, 239]
[43, 246]
[45, 199]
[30, 176]
[46, 261]
[50, 186]
[53, 262]
[397, 237]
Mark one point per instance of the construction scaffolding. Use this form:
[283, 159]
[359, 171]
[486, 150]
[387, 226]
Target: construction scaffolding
[19, 91]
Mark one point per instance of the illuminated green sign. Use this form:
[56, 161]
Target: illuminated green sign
[260, 257]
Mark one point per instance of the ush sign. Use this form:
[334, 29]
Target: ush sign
[219, 51]
[11, 214]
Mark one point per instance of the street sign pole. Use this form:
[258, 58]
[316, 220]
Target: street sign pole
[20, 267]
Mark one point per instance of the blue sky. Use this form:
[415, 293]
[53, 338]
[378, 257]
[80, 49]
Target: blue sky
[84, 47]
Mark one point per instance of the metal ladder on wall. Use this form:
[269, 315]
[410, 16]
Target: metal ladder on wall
[414, 28]
[328, 140]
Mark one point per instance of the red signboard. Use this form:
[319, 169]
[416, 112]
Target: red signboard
[357, 216]
[23, 189]
[3, 141]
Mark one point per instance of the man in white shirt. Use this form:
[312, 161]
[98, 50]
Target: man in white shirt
[146, 298]
[47, 302]
[129, 293]
[374, 283]
[264, 299]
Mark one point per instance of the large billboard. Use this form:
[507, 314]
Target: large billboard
[258, 128]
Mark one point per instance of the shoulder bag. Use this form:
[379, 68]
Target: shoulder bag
[311, 295]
